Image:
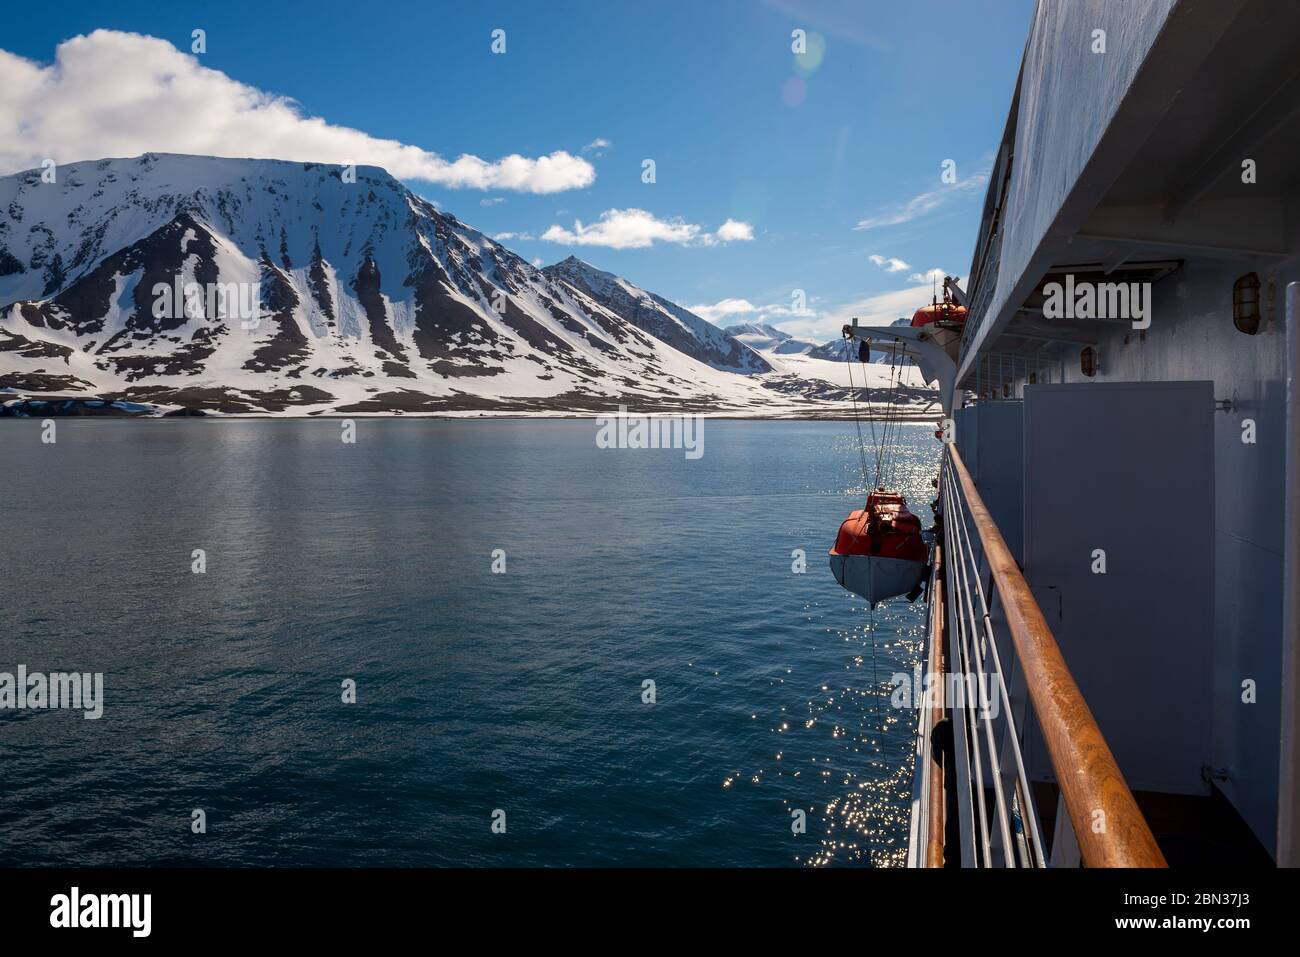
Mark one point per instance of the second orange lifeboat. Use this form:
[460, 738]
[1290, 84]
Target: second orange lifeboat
[946, 311]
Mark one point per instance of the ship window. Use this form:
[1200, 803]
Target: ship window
[1245, 303]
[1088, 361]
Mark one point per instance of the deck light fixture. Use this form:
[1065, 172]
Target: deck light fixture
[1245, 304]
[1088, 361]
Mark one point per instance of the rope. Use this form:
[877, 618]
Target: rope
[891, 450]
[875, 682]
[871, 631]
[885, 453]
[862, 452]
[898, 425]
[875, 442]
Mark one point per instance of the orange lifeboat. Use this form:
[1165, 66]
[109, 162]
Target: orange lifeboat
[943, 321]
[946, 311]
[880, 551]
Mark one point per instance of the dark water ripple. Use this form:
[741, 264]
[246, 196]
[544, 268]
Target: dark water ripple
[475, 691]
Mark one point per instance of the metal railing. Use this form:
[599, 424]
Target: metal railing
[926, 841]
[998, 821]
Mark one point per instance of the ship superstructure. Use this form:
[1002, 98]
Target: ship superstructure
[1112, 672]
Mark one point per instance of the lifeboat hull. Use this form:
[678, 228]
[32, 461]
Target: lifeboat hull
[876, 578]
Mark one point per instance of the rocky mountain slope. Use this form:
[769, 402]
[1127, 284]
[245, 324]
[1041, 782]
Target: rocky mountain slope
[666, 321]
[188, 282]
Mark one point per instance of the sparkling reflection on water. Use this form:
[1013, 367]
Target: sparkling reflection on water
[856, 750]
[475, 691]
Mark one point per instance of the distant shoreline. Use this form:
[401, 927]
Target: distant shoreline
[468, 417]
[76, 407]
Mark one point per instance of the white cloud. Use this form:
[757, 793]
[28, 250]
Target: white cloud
[120, 94]
[508, 236]
[733, 231]
[492, 201]
[730, 310]
[724, 309]
[637, 229]
[930, 275]
[598, 145]
[890, 263]
[923, 203]
[623, 229]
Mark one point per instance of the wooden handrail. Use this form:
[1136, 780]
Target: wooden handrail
[1089, 778]
[934, 687]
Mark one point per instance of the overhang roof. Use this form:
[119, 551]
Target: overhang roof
[1126, 161]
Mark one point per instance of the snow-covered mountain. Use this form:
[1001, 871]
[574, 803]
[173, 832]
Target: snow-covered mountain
[834, 350]
[764, 338]
[771, 341]
[364, 297]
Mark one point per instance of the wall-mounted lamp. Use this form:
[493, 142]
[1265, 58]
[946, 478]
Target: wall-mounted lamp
[1245, 304]
[1088, 361]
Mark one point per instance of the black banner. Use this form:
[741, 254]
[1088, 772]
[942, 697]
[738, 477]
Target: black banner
[336, 906]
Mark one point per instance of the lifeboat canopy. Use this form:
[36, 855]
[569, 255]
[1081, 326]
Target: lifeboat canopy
[946, 311]
[880, 552]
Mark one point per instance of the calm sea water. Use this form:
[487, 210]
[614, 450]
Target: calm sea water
[475, 691]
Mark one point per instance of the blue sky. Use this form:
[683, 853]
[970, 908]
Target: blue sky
[801, 150]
